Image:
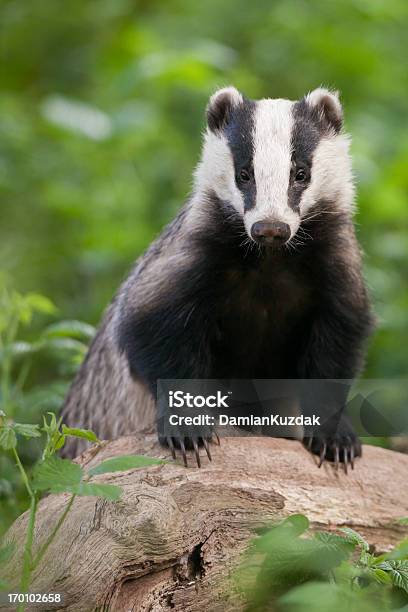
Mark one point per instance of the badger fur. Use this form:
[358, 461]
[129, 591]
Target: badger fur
[258, 276]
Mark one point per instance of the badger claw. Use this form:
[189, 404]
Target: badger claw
[183, 452]
[322, 452]
[171, 447]
[207, 449]
[335, 448]
[190, 443]
[197, 454]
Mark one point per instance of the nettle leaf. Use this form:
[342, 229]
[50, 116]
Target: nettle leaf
[52, 425]
[306, 595]
[367, 559]
[298, 522]
[57, 475]
[70, 329]
[356, 538]
[398, 570]
[87, 434]
[8, 439]
[126, 462]
[58, 441]
[335, 542]
[107, 491]
[27, 430]
[64, 476]
[55, 439]
[380, 576]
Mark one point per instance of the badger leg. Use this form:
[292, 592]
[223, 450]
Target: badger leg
[332, 438]
[327, 368]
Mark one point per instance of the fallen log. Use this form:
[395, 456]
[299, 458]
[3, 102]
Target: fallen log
[176, 535]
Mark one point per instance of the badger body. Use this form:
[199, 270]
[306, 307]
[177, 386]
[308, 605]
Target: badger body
[258, 276]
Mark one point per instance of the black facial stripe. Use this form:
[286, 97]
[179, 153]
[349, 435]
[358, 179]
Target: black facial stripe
[240, 135]
[307, 132]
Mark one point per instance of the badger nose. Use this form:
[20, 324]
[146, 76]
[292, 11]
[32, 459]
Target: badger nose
[269, 232]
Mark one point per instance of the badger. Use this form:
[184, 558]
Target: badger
[259, 276]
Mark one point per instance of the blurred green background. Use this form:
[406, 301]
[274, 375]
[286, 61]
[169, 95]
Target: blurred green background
[101, 113]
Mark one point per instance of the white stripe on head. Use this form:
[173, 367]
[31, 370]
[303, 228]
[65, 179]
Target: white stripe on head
[332, 176]
[272, 164]
[215, 171]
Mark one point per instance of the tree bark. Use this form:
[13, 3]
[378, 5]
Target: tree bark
[176, 535]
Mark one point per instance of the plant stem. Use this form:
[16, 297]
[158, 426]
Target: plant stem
[7, 363]
[57, 527]
[23, 473]
[5, 381]
[28, 547]
[22, 376]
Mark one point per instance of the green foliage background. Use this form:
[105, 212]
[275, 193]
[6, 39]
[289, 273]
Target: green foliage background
[101, 113]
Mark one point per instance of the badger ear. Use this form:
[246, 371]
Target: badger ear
[220, 106]
[327, 104]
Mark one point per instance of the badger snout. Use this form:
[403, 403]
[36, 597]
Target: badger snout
[273, 233]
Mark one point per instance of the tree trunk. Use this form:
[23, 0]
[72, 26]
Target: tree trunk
[175, 537]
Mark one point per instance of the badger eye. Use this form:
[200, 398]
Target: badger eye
[300, 175]
[244, 175]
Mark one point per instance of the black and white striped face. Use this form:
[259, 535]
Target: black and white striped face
[274, 160]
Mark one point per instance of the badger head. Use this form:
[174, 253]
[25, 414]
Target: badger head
[275, 161]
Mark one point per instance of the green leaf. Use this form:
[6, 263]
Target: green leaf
[52, 424]
[398, 570]
[27, 430]
[20, 349]
[356, 538]
[57, 475]
[65, 344]
[40, 303]
[380, 576]
[312, 593]
[55, 438]
[58, 441]
[70, 329]
[107, 491]
[87, 434]
[126, 462]
[400, 551]
[298, 522]
[335, 542]
[8, 438]
[63, 476]
[367, 559]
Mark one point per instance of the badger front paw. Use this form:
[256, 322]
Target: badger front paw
[185, 443]
[339, 444]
